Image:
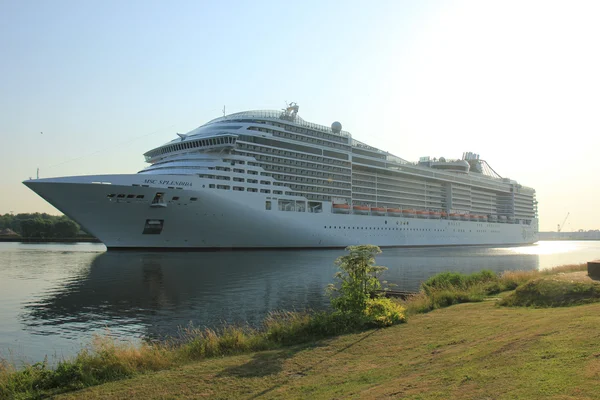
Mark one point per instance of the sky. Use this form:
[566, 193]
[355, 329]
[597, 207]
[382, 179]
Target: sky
[86, 87]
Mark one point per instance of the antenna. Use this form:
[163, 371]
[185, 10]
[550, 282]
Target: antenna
[38, 174]
[223, 110]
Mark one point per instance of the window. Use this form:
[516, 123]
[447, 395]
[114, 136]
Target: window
[238, 188]
[175, 198]
[111, 195]
[193, 198]
[130, 196]
[267, 205]
[153, 227]
[120, 196]
[139, 196]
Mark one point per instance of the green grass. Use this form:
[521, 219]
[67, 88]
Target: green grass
[450, 288]
[546, 292]
[469, 351]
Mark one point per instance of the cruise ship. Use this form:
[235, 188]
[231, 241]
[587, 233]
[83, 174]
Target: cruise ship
[269, 179]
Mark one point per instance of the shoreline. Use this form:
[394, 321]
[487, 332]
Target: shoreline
[49, 240]
[128, 365]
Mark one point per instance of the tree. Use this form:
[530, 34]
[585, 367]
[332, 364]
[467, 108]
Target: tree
[359, 279]
[28, 228]
[65, 228]
[359, 297]
[40, 225]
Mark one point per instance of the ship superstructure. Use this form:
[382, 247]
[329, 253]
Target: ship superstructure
[270, 179]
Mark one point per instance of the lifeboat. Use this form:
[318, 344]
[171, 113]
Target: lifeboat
[341, 208]
[502, 218]
[422, 214]
[465, 217]
[474, 217]
[378, 210]
[444, 215]
[394, 211]
[454, 216]
[492, 218]
[434, 215]
[408, 213]
[361, 209]
[482, 217]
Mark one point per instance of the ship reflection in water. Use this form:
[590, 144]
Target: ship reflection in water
[55, 297]
[149, 295]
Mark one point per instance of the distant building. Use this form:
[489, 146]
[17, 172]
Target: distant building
[581, 235]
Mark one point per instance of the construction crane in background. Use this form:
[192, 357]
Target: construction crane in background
[561, 226]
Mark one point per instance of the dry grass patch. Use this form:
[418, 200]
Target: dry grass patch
[511, 279]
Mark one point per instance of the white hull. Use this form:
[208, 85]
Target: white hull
[228, 220]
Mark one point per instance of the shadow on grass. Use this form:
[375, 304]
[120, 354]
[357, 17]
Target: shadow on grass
[262, 364]
[271, 363]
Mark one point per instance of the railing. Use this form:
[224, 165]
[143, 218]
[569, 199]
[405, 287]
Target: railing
[280, 116]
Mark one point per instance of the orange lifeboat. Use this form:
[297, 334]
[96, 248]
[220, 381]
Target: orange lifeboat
[408, 213]
[444, 215]
[342, 206]
[422, 214]
[361, 209]
[394, 211]
[434, 214]
[378, 210]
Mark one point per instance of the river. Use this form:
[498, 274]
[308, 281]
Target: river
[55, 297]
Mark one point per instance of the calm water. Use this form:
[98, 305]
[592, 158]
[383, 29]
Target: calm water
[55, 297]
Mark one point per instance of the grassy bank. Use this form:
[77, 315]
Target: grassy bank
[106, 360]
[285, 335]
[469, 351]
[449, 288]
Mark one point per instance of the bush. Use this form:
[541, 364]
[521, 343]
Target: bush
[384, 312]
[456, 280]
[289, 328]
[358, 279]
[449, 288]
[358, 300]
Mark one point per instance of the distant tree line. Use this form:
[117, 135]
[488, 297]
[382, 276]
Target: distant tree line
[40, 225]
